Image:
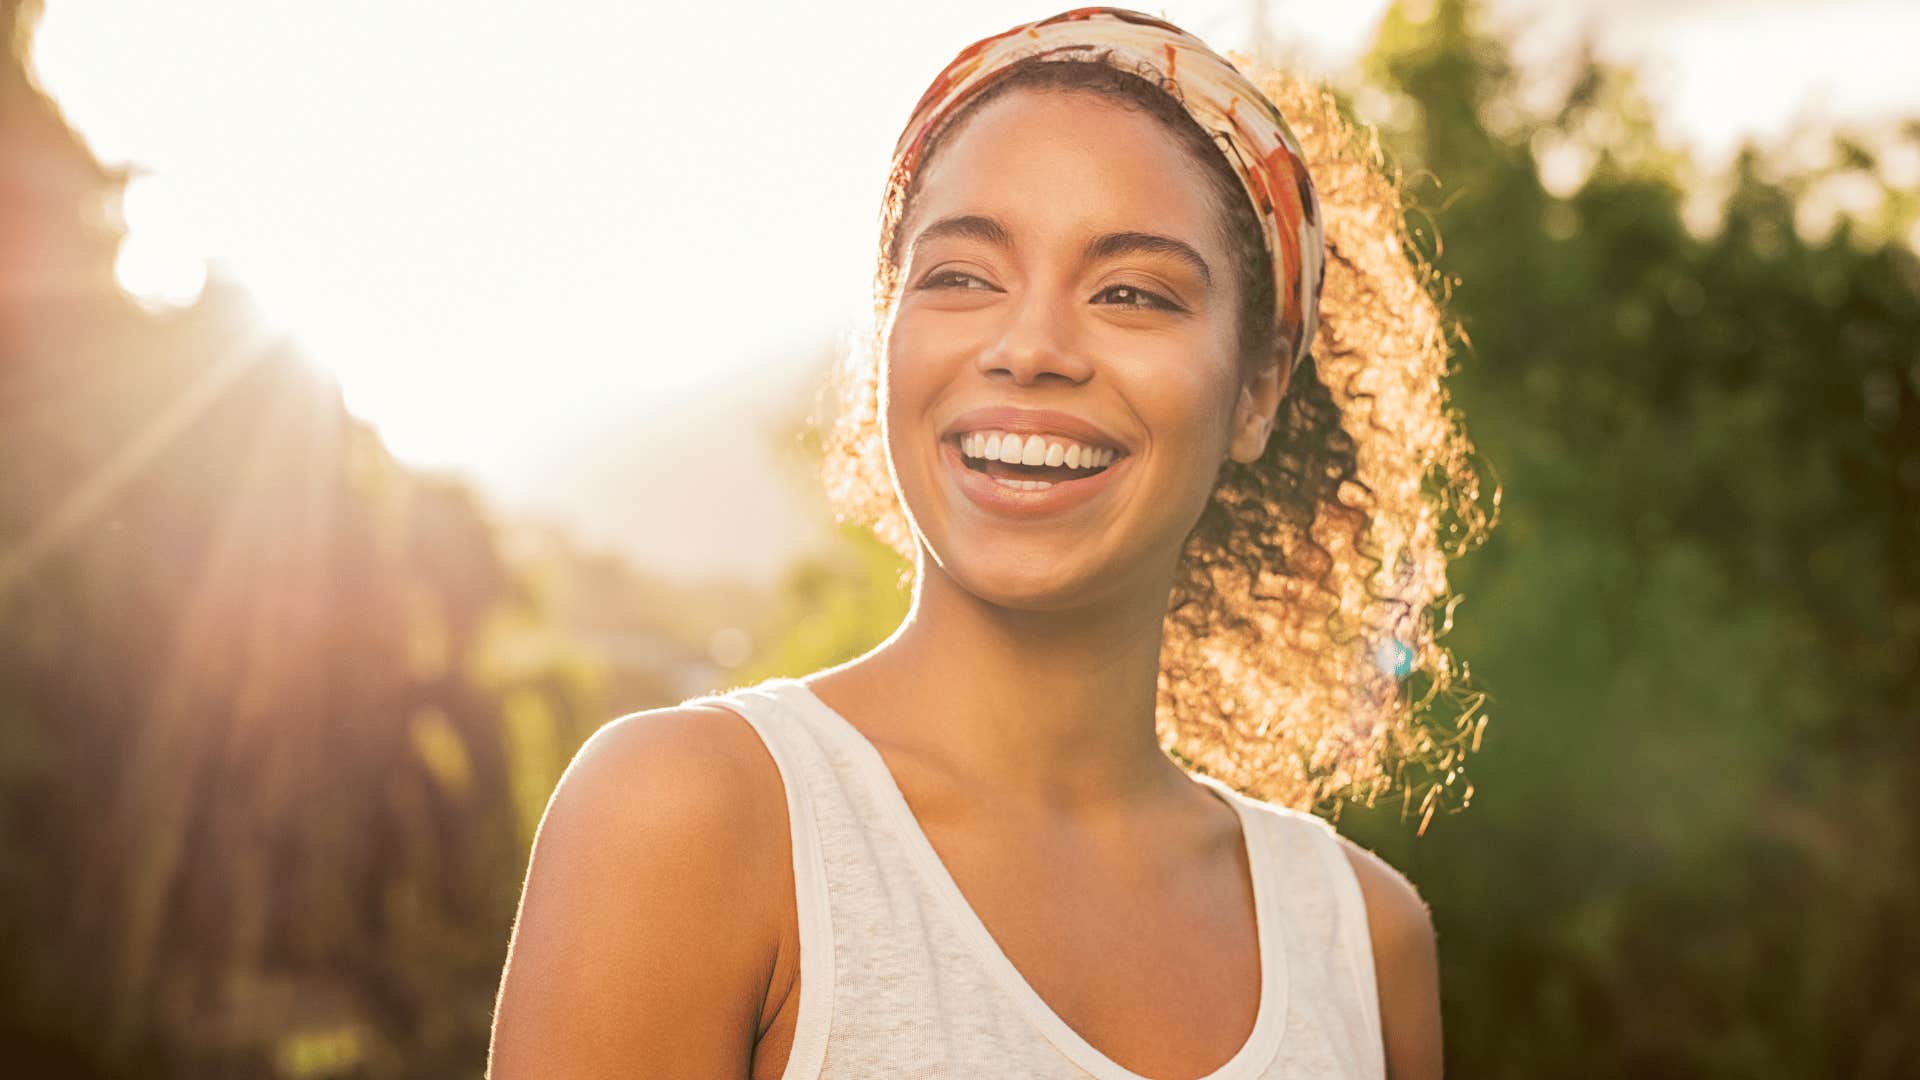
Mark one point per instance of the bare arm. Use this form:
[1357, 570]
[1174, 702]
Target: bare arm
[645, 938]
[1406, 966]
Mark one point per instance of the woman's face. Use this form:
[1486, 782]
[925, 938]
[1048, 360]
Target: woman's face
[1062, 277]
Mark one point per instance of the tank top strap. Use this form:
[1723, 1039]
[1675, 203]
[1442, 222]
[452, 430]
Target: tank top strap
[798, 757]
[1356, 939]
[1325, 902]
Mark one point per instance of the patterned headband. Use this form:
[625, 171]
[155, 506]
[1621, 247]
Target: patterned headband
[1247, 127]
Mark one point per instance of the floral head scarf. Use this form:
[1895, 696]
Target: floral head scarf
[1246, 126]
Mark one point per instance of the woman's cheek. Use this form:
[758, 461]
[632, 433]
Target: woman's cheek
[925, 352]
[1182, 408]
[1179, 395]
[908, 385]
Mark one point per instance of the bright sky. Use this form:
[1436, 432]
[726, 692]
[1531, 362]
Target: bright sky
[506, 227]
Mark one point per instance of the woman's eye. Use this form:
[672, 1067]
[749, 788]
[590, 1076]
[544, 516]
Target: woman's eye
[1135, 297]
[950, 279]
[1126, 296]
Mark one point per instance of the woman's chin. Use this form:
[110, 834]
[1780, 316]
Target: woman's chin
[1038, 580]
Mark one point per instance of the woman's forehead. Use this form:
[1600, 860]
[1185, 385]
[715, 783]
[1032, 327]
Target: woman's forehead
[1068, 162]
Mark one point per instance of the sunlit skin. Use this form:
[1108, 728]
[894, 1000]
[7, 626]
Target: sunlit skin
[1143, 345]
[1015, 704]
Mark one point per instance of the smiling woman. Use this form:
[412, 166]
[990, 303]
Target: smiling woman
[1153, 404]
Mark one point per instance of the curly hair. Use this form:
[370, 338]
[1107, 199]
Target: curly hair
[1301, 656]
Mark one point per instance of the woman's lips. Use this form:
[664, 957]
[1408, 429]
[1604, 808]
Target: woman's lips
[1031, 422]
[997, 498]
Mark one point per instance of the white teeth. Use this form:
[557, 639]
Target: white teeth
[1024, 485]
[1033, 450]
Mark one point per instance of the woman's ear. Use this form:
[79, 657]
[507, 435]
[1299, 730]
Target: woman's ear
[1253, 417]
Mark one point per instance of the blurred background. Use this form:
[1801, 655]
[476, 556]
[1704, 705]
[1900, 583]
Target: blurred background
[391, 394]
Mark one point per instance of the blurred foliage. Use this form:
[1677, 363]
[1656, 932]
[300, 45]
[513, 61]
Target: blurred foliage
[1694, 850]
[829, 607]
[833, 607]
[278, 715]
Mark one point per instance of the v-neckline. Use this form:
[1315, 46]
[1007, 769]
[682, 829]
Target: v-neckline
[1261, 1043]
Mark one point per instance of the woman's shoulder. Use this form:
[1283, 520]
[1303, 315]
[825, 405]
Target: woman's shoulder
[696, 770]
[1399, 923]
[1398, 920]
[676, 809]
[1406, 964]
[1400, 936]
[1394, 906]
[1396, 913]
[650, 926]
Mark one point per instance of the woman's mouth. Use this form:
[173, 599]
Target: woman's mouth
[1028, 484]
[1029, 477]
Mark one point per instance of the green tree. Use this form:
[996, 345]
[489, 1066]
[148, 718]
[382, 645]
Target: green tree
[1693, 848]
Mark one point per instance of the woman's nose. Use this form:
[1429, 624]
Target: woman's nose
[1037, 341]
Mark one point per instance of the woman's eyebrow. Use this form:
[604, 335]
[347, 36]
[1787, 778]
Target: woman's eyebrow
[1113, 245]
[1108, 246]
[968, 227]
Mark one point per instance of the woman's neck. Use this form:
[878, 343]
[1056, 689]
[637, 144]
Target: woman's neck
[1047, 710]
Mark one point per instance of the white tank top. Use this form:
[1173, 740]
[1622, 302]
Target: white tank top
[899, 978]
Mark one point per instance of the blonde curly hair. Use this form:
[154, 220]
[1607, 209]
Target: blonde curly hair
[1301, 658]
